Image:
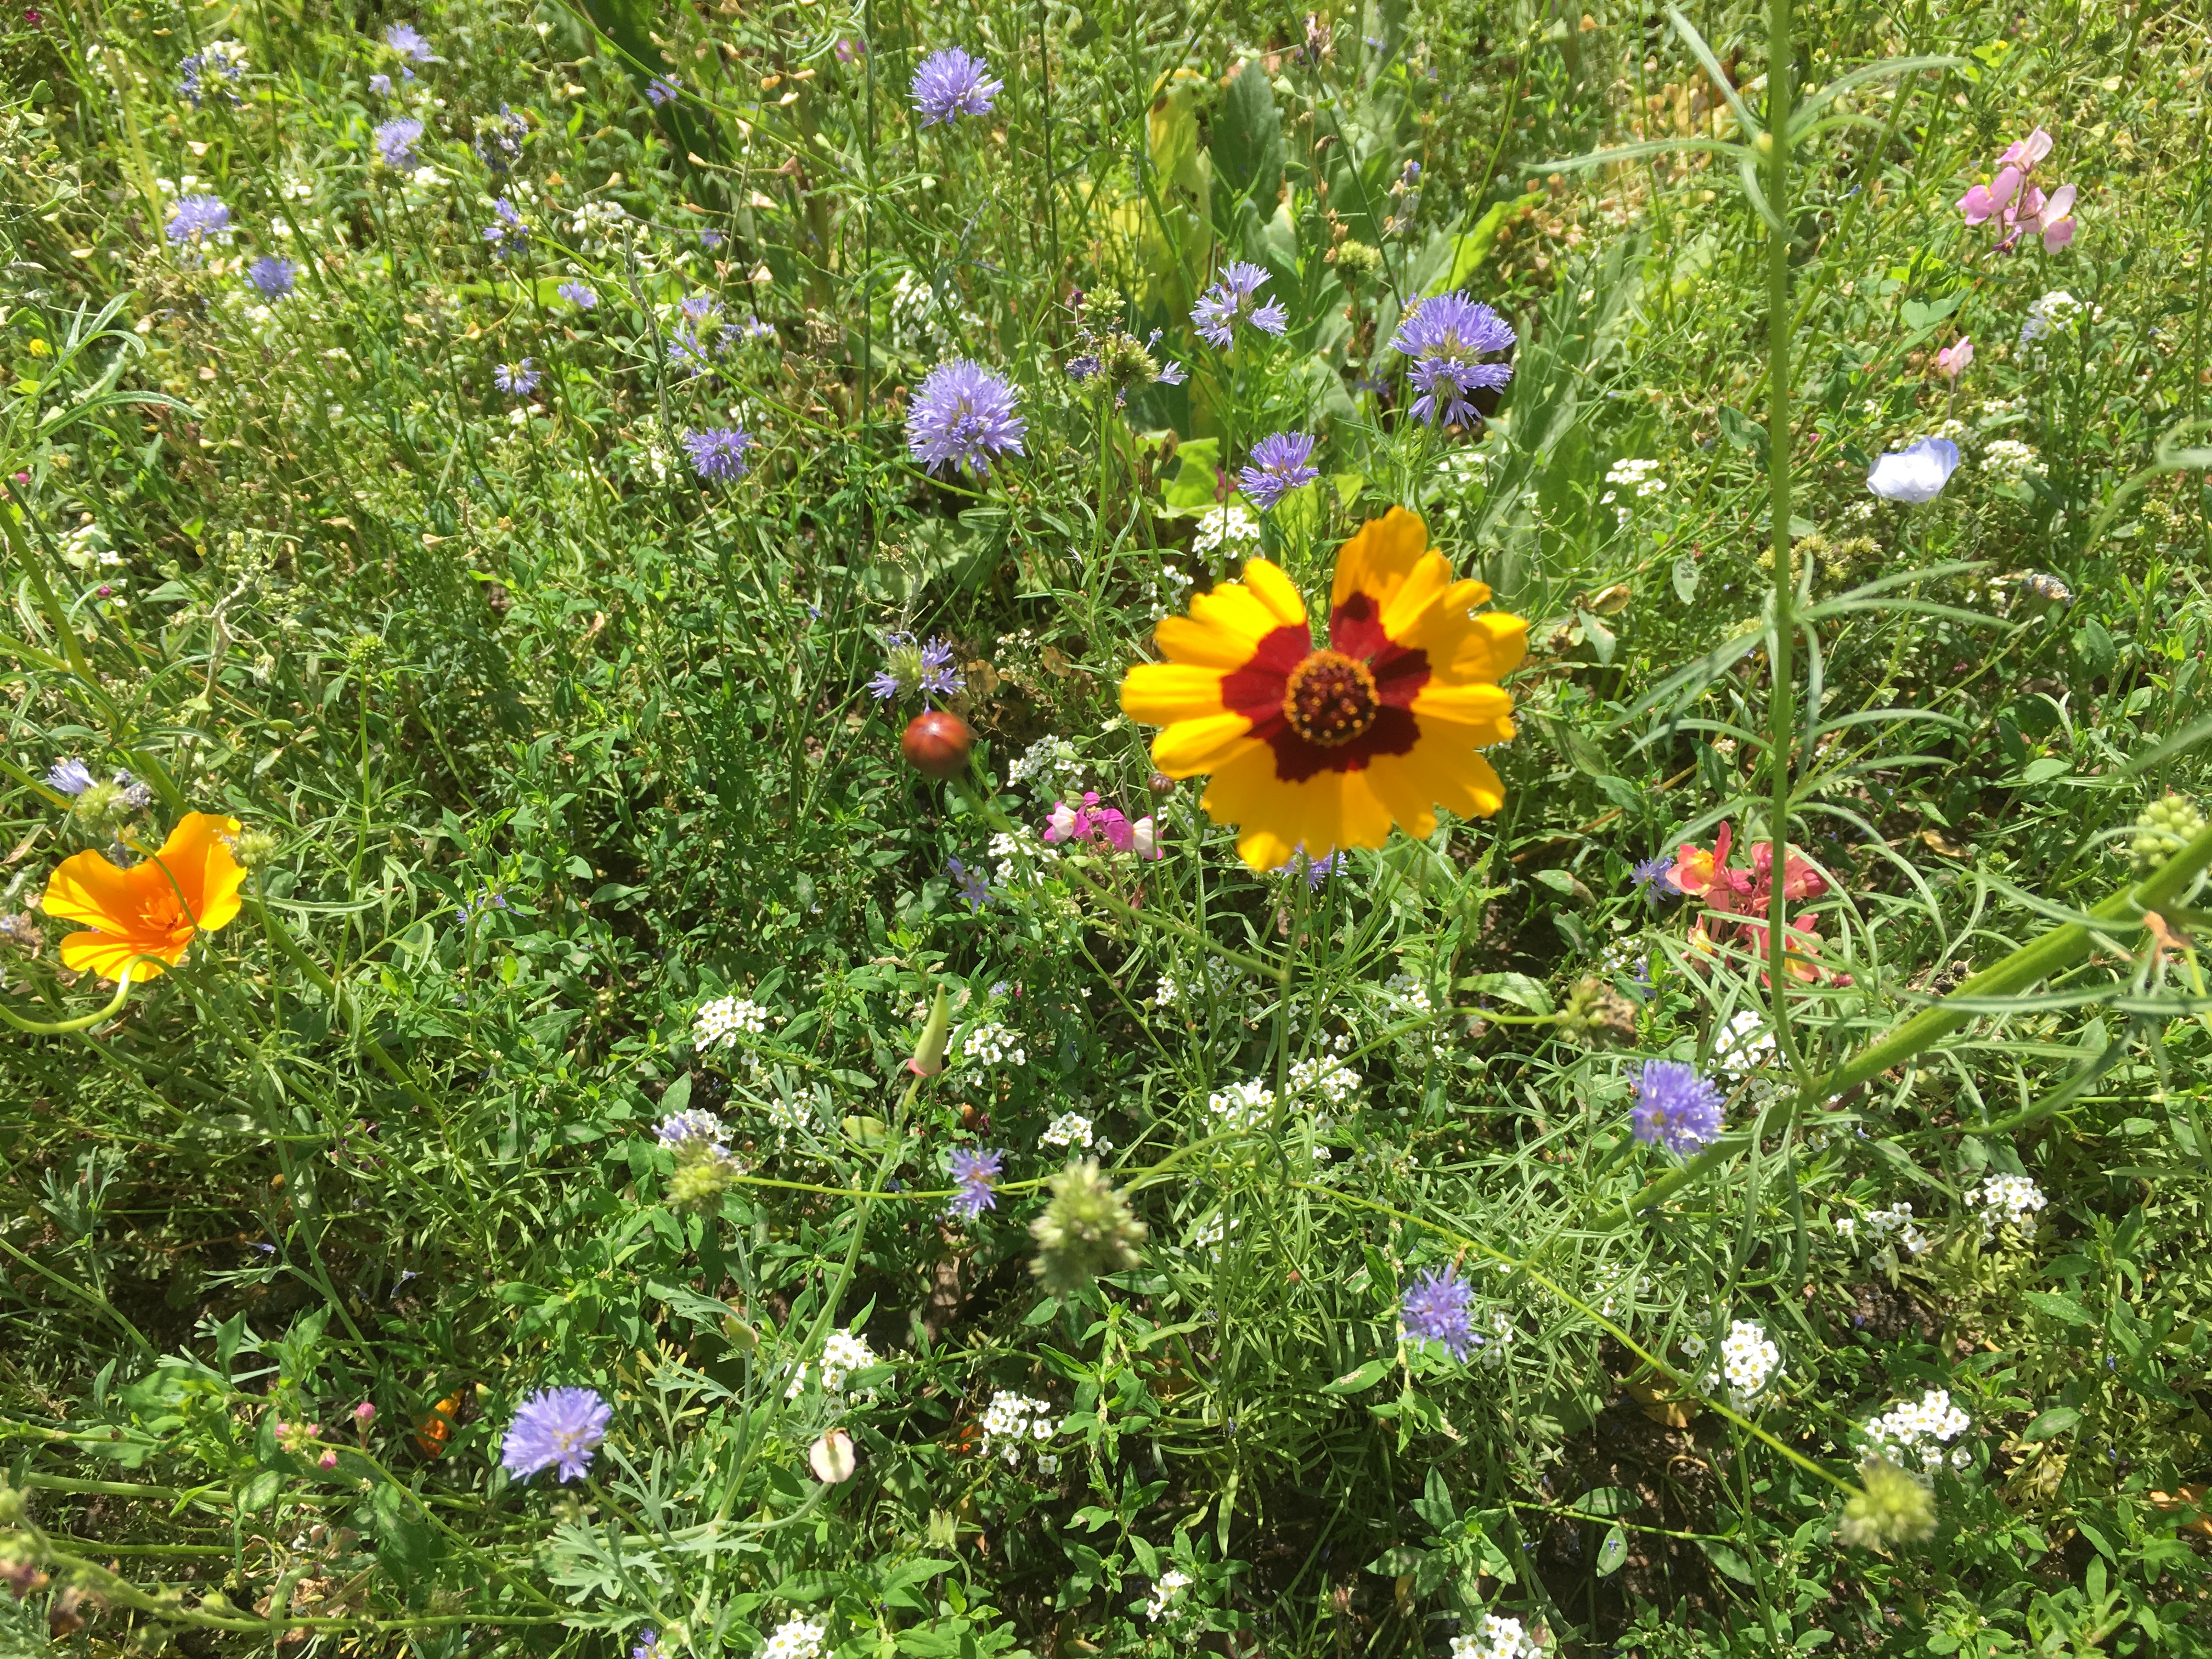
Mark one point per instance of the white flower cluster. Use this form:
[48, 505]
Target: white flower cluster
[794, 1638]
[1495, 1637]
[1012, 1421]
[921, 317]
[1898, 1219]
[2008, 460]
[2010, 1198]
[1410, 989]
[1019, 853]
[990, 1043]
[1327, 1075]
[1748, 1360]
[2055, 311]
[1922, 1431]
[1214, 982]
[1223, 525]
[1642, 477]
[1242, 1105]
[1051, 763]
[720, 1022]
[598, 223]
[842, 1355]
[1068, 1129]
[1167, 589]
[1163, 1604]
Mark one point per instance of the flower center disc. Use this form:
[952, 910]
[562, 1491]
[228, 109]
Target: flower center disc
[1330, 699]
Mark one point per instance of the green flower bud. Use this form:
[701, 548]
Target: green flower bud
[699, 1181]
[2165, 828]
[1891, 1508]
[1363, 258]
[255, 849]
[1086, 1230]
[1599, 1015]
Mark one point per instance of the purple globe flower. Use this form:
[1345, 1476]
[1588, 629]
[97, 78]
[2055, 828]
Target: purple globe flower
[1315, 871]
[1279, 464]
[395, 143]
[648, 1645]
[963, 416]
[688, 352]
[70, 777]
[976, 1172]
[1446, 337]
[195, 219]
[1675, 1107]
[910, 668]
[381, 85]
[556, 1427]
[404, 38]
[700, 308]
[1173, 374]
[223, 58]
[517, 380]
[1229, 302]
[1657, 874]
[1439, 1307]
[1081, 367]
[272, 276]
[951, 83]
[681, 1129]
[664, 89]
[578, 294]
[718, 454]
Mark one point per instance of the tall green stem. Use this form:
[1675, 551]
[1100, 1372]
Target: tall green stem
[1781, 686]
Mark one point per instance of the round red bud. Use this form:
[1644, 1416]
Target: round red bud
[936, 744]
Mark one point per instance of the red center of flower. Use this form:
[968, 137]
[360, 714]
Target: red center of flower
[1330, 699]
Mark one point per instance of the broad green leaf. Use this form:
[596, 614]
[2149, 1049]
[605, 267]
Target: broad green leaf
[1612, 1553]
[2051, 1423]
[1359, 1381]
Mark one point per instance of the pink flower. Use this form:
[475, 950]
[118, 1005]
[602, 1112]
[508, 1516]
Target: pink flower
[2028, 151]
[2019, 206]
[1953, 359]
[1108, 824]
[2057, 218]
[1066, 823]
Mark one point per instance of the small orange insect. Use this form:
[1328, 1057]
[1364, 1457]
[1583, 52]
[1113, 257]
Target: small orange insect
[435, 1426]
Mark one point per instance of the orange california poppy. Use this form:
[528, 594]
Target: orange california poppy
[435, 1426]
[154, 908]
[1322, 748]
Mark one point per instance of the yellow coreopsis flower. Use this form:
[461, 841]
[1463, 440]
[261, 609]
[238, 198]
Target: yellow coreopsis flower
[1318, 748]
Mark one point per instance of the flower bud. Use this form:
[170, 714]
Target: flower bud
[699, 1181]
[255, 849]
[1891, 1508]
[929, 1049]
[1086, 1230]
[832, 1459]
[2165, 827]
[364, 1413]
[1599, 1015]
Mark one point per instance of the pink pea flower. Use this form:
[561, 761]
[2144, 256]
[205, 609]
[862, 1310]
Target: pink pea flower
[1953, 359]
[2028, 151]
[1108, 824]
[2057, 218]
[1066, 823]
[1144, 839]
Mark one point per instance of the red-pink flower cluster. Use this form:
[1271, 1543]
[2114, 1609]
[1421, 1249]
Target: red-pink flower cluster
[1088, 821]
[2019, 205]
[1741, 899]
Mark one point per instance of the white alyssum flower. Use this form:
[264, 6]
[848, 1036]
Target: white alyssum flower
[1897, 1219]
[989, 1043]
[1012, 1421]
[1748, 1360]
[794, 1638]
[1921, 1432]
[1495, 1637]
[2007, 460]
[1642, 477]
[1068, 1129]
[1021, 857]
[1327, 1076]
[1222, 525]
[1163, 1604]
[1051, 763]
[1242, 1105]
[842, 1355]
[720, 1022]
[2010, 1198]
[1412, 991]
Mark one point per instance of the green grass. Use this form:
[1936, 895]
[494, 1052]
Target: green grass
[554, 744]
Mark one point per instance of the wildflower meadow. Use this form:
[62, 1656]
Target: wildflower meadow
[840, 830]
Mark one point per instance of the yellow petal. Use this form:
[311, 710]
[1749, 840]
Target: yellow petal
[1379, 556]
[1275, 818]
[1190, 747]
[1202, 645]
[1236, 609]
[1475, 715]
[1277, 591]
[1162, 693]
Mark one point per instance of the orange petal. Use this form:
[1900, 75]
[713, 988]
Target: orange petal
[1160, 694]
[85, 887]
[196, 857]
[1190, 747]
[108, 956]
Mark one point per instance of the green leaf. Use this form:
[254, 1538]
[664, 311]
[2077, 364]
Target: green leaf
[262, 1490]
[1727, 1558]
[1918, 317]
[1686, 579]
[1740, 430]
[1396, 1562]
[2044, 770]
[1359, 1382]
[2095, 646]
[1608, 1500]
[1516, 988]
[1471, 247]
[2051, 1423]
[2059, 1306]
[1246, 142]
[1612, 1553]
[1197, 478]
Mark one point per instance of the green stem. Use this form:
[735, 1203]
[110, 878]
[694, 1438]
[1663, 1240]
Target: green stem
[2056, 952]
[1781, 685]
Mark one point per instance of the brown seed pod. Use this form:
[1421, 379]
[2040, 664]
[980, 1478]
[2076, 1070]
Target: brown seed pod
[936, 744]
